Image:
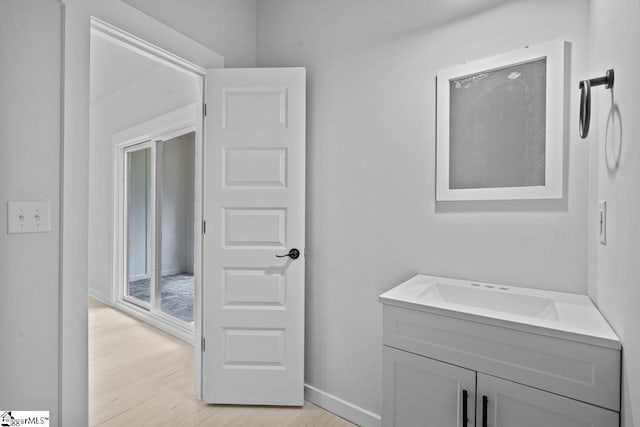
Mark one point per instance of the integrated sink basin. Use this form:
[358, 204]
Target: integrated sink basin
[489, 297]
[557, 314]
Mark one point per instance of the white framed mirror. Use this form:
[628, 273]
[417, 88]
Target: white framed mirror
[500, 126]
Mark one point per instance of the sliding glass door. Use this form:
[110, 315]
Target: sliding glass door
[159, 228]
[140, 214]
[176, 201]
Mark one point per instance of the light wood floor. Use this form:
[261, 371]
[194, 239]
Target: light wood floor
[140, 376]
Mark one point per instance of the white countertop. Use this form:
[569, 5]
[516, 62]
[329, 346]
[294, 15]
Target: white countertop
[562, 315]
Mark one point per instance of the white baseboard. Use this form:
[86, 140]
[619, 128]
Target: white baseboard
[183, 333]
[171, 271]
[167, 272]
[340, 407]
[103, 298]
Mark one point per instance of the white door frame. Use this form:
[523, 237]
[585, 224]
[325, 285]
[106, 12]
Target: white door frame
[74, 177]
[148, 135]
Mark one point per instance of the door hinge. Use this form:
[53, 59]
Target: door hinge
[204, 227]
[203, 344]
[204, 109]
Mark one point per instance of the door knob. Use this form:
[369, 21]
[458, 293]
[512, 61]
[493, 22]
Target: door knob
[293, 254]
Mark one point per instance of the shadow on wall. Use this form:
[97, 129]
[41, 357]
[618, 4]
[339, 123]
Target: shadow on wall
[613, 137]
[559, 205]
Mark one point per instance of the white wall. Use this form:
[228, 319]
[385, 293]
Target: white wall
[225, 26]
[615, 274]
[178, 169]
[371, 217]
[158, 92]
[29, 171]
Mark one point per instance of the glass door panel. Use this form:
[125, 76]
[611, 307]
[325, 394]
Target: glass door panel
[176, 202]
[139, 220]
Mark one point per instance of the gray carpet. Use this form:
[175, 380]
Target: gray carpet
[176, 294]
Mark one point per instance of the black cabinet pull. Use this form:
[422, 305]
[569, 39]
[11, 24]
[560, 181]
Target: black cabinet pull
[485, 402]
[465, 394]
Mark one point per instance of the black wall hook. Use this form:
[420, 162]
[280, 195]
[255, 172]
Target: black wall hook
[585, 99]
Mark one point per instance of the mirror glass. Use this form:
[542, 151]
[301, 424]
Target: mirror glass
[497, 127]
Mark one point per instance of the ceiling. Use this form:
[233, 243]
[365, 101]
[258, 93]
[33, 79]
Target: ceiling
[114, 67]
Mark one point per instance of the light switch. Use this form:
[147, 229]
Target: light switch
[28, 217]
[602, 222]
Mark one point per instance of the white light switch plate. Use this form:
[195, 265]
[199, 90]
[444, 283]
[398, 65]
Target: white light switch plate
[602, 222]
[28, 217]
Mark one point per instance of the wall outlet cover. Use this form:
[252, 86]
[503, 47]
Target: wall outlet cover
[602, 222]
[28, 217]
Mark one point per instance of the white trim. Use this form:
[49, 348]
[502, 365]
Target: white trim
[135, 44]
[157, 320]
[166, 126]
[133, 301]
[198, 272]
[103, 298]
[341, 407]
[122, 276]
[156, 238]
[555, 53]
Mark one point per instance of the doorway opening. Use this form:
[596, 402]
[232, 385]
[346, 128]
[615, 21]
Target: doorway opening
[145, 172]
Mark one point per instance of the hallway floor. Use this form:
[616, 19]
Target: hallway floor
[140, 376]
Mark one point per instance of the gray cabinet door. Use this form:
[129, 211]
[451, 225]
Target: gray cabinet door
[422, 392]
[515, 405]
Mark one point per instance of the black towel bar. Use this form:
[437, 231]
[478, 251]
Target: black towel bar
[585, 99]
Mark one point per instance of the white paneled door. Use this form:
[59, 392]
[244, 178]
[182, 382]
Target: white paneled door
[254, 208]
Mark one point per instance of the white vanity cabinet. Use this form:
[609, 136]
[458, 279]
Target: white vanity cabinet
[419, 391]
[445, 360]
